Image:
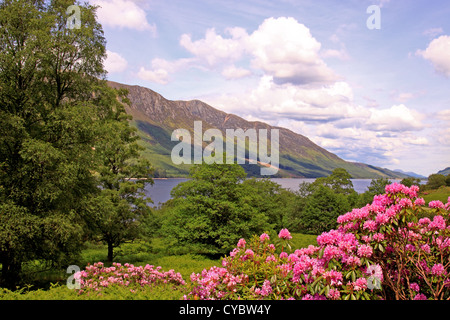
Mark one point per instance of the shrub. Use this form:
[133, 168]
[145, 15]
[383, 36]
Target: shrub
[97, 278]
[385, 250]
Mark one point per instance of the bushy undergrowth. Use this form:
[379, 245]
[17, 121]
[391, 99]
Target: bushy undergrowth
[397, 247]
[389, 249]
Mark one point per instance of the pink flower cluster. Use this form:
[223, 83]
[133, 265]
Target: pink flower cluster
[214, 283]
[387, 249]
[97, 276]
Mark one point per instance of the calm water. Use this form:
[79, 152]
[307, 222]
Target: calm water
[159, 192]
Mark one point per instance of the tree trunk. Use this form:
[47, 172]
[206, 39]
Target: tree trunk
[10, 275]
[110, 251]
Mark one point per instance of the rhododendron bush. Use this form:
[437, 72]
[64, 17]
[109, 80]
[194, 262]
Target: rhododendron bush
[394, 248]
[97, 277]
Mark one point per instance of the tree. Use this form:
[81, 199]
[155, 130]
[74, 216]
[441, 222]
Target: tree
[213, 210]
[271, 199]
[376, 187]
[435, 181]
[115, 214]
[339, 181]
[409, 181]
[53, 101]
[322, 208]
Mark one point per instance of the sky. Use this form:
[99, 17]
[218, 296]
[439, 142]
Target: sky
[366, 80]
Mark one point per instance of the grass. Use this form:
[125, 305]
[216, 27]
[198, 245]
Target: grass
[441, 194]
[51, 284]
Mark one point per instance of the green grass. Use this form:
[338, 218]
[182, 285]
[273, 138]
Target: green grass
[441, 194]
[137, 253]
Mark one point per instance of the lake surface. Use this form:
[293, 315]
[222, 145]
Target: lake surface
[159, 192]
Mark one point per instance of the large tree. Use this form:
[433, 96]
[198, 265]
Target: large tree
[213, 210]
[116, 213]
[55, 108]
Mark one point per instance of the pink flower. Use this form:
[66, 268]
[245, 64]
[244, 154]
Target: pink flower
[395, 188]
[382, 218]
[405, 202]
[248, 254]
[360, 284]
[425, 247]
[378, 237]
[415, 287]
[420, 296]
[370, 224]
[365, 251]
[241, 243]
[436, 204]
[284, 234]
[264, 237]
[438, 222]
[334, 294]
[438, 270]
[334, 277]
[266, 289]
[419, 202]
[352, 261]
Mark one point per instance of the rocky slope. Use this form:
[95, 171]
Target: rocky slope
[157, 117]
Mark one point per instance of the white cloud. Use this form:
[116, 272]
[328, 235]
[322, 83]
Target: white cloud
[395, 118]
[329, 116]
[232, 72]
[161, 69]
[123, 14]
[158, 75]
[115, 62]
[437, 53]
[286, 50]
[444, 115]
[215, 49]
[281, 48]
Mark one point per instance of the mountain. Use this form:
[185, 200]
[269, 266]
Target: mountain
[156, 118]
[411, 174]
[445, 172]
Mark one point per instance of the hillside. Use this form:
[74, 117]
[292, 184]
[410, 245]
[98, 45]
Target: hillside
[445, 172]
[157, 117]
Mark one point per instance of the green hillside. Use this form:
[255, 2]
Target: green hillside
[156, 118]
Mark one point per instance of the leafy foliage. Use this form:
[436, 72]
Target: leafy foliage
[214, 209]
[65, 141]
[384, 250]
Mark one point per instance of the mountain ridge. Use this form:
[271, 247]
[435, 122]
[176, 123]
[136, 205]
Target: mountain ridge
[156, 118]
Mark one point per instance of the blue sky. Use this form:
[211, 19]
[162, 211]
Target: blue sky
[378, 96]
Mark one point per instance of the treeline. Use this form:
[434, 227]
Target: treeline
[209, 213]
[434, 181]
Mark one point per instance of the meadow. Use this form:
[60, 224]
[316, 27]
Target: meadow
[50, 284]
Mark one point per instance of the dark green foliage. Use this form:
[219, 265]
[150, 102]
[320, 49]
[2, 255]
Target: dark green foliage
[211, 212]
[317, 205]
[410, 181]
[47, 76]
[114, 214]
[339, 181]
[66, 149]
[435, 181]
[322, 208]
